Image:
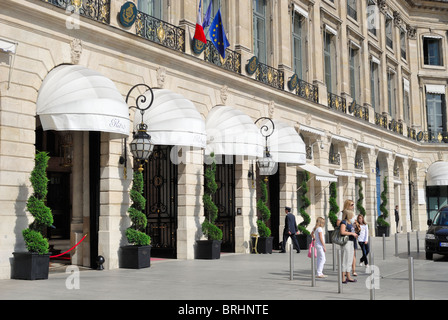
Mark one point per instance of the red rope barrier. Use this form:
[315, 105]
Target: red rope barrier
[70, 248]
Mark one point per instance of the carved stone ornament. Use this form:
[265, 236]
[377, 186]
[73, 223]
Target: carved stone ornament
[271, 109]
[161, 75]
[412, 32]
[309, 117]
[224, 94]
[382, 5]
[75, 50]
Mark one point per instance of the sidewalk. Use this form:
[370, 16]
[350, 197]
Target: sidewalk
[246, 277]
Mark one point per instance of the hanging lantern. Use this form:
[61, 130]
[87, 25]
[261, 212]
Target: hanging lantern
[141, 146]
[67, 151]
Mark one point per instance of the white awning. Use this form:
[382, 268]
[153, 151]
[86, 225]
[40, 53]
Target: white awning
[311, 130]
[301, 11]
[437, 174]
[8, 46]
[173, 120]
[436, 89]
[232, 132]
[286, 145]
[343, 173]
[73, 97]
[319, 174]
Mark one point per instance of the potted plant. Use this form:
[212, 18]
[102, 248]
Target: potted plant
[137, 255]
[383, 227]
[264, 241]
[334, 209]
[359, 204]
[34, 264]
[211, 248]
[304, 238]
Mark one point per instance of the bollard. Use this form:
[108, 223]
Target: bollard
[396, 244]
[291, 262]
[384, 246]
[334, 253]
[339, 271]
[409, 244]
[372, 277]
[313, 267]
[418, 247]
[411, 278]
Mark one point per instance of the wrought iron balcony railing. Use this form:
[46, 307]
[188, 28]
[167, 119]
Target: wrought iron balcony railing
[307, 90]
[381, 120]
[270, 76]
[335, 158]
[232, 62]
[160, 32]
[336, 102]
[98, 10]
[359, 111]
[396, 126]
[412, 134]
[433, 137]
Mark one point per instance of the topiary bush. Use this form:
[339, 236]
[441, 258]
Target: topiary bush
[43, 217]
[359, 205]
[334, 208]
[135, 233]
[209, 229]
[385, 213]
[263, 229]
[305, 204]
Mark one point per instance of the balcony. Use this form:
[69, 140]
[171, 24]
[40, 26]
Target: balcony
[396, 126]
[232, 62]
[336, 102]
[98, 10]
[381, 120]
[160, 32]
[432, 137]
[307, 91]
[270, 76]
[359, 112]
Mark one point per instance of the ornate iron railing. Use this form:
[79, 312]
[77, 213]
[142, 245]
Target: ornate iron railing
[232, 62]
[160, 32]
[336, 102]
[396, 126]
[381, 120]
[307, 90]
[270, 76]
[433, 137]
[359, 163]
[412, 134]
[98, 10]
[359, 111]
[335, 158]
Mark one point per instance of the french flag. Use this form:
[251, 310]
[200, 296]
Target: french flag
[199, 32]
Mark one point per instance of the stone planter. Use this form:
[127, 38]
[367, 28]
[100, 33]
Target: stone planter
[135, 257]
[30, 266]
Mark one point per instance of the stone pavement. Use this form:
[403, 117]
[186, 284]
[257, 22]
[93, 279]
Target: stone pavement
[259, 277]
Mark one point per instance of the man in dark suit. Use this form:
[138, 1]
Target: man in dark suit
[290, 230]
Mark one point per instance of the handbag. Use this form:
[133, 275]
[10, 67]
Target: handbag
[337, 238]
[310, 249]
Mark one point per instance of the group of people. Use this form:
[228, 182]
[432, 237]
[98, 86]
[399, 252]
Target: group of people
[350, 225]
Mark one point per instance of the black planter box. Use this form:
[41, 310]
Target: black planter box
[304, 240]
[30, 266]
[264, 245]
[135, 257]
[380, 230]
[208, 249]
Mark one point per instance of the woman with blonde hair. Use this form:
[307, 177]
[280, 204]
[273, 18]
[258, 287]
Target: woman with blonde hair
[319, 244]
[348, 250]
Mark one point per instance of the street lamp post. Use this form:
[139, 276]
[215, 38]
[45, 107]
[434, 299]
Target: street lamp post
[266, 164]
[141, 145]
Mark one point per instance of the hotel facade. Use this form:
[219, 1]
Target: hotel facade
[356, 90]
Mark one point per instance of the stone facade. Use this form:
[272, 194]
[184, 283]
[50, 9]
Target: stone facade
[47, 36]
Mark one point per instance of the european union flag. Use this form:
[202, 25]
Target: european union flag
[218, 35]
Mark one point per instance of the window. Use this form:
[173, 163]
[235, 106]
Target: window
[389, 35]
[298, 44]
[372, 16]
[391, 98]
[436, 114]
[403, 44]
[259, 21]
[406, 102]
[351, 9]
[375, 86]
[151, 7]
[432, 51]
[330, 62]
[215, 6]
[354, 74]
